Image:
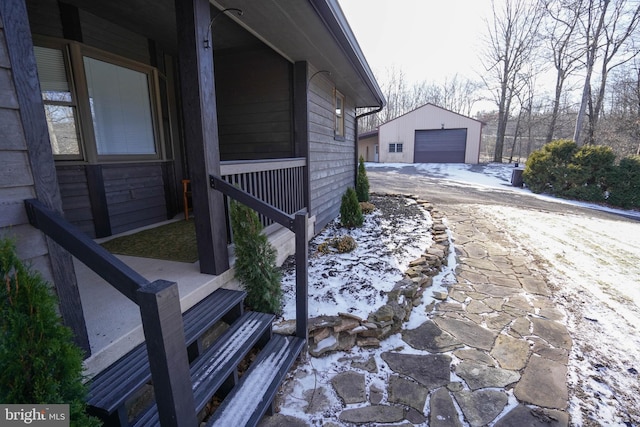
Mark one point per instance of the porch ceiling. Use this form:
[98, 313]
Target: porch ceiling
[312, 30]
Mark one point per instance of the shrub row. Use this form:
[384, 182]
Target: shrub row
[587, 173]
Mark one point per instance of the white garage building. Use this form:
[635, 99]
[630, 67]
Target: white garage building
[430, 134]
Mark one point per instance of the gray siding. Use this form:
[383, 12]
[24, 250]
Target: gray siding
[135, 195]
[331, 160]
[16, 180]
[76, 204]
[254, 101]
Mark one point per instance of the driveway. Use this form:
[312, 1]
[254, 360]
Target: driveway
[589, 259]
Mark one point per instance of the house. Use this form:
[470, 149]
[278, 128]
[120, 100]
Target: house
[368, 146]
[106, 107]
[430, 134]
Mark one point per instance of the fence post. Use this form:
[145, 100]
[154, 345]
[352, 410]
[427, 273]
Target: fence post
[164, 334]
[302, 307]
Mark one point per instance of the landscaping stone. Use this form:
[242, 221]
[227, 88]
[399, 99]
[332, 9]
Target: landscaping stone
[469, 333]
[482, 406]
[479, 376]
[442, 411]
[511, 353]
[474, 355]
[533, 417]
[431, 370]
[375, 394]
[372, 414]
[279, 420]
[430, 338]
[369, 365]
[552, 332]
[544, 383]
[535, 285]
[350, 387]
[407, 392]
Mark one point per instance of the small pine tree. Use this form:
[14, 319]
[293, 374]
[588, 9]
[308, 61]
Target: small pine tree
[39, 363]
[350, 211]
[362, 182]
[255, 264]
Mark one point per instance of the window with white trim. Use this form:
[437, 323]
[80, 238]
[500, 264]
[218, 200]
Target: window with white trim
[395, 147]
[113, 120]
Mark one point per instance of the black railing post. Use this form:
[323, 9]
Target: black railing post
[164, 334]
[302, 308]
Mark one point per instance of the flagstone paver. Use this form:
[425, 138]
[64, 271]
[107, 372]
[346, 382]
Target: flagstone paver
[496, 329]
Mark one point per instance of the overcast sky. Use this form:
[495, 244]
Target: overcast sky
[430, 40]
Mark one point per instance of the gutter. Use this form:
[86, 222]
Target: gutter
[359, 116]
[335, 21]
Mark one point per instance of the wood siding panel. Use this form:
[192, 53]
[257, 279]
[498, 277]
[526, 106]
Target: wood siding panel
[108, 36]
[76, 202]
[135, 195]
[331, 159]
[44, 18]
[254, 98]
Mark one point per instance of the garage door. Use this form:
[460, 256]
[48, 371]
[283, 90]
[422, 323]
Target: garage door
[440, 146]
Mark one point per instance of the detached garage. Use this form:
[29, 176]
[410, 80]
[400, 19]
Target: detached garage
[430, 134]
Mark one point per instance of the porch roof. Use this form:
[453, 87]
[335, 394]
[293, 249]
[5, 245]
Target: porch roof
[312, 30]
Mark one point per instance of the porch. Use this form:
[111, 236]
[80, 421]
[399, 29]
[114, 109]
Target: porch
[113, 321]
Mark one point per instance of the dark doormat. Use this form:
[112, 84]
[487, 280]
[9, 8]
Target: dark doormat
[175, 241]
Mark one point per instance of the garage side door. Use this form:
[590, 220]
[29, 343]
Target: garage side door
[440, 146]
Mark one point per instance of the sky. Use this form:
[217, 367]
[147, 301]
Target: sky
[429, 40]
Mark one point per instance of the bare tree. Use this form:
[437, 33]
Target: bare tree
[459, 95]
[512, 39]
[617, 49]
[564, 47]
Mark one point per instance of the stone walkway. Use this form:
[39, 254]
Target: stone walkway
[497, 331]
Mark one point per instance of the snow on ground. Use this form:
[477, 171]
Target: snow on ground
[592, 263]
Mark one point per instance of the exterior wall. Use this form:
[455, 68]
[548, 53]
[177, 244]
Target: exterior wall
[367, 148]
[402, 129]
[16, 179]
[253, 95]
[331, 160]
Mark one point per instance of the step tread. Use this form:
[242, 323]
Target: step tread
[113, 386]
[251, 397]
[219, 361]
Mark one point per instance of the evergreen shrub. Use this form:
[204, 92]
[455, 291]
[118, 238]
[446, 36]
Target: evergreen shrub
[350, 211]
[546, 168]
[624, 190]
[362, 182]
[589, 172]
[255, 265]
[39, 363]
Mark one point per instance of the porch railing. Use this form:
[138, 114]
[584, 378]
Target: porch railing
[298, 223]
[277, 182]
[159, 304]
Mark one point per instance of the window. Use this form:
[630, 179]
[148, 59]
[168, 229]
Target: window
[59, 102]
[339, 104]
[114, 115]
[395, 147]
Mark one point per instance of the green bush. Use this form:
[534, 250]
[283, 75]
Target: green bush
[624, 188]
[350, 211]
[546, 168]
[362, 182]
[588, 173]
[39, 363]
[255, 265]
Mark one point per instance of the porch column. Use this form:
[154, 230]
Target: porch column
[28, 102]
[201, 132]
[301, 121]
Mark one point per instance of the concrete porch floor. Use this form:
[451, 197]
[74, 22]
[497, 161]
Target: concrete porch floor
[113, 321]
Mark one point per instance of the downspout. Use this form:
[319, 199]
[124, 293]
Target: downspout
[368, 113]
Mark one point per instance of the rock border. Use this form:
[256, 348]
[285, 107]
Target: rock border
[345, 331]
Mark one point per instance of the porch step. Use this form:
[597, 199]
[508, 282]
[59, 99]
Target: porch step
[253, 395]
[111, 388]
[217, 367]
